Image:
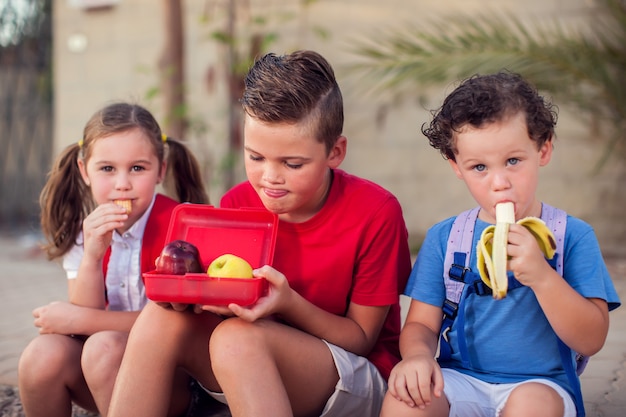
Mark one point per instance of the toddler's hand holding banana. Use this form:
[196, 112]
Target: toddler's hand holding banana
[492, 247]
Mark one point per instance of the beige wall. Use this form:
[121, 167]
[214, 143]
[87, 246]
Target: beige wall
[123, 46]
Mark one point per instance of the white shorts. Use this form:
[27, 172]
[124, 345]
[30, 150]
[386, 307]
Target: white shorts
[359, 391]
[472, 397]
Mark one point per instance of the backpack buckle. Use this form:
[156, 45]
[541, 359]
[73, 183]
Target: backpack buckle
[480, 288]
[450, 309]
[457, 272]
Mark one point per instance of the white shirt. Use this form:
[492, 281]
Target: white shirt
[124, 284]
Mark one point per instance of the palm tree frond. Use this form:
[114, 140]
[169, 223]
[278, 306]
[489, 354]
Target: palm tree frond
[581, 66]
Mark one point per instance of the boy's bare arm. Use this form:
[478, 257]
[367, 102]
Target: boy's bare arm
[420, 333]
[357, 332]
[580, 323]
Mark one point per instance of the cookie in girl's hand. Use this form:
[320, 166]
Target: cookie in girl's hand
[126, 204]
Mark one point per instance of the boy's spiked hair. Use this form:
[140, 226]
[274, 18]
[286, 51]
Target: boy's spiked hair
[295, 88]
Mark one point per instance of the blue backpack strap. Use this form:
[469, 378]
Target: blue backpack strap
[460, 282]
[458, 252]
[574, 365]
[556, 220]
[454, 269]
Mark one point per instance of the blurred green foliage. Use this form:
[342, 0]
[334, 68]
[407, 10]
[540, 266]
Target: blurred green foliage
[582, 65]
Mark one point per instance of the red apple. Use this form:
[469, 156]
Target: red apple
[177, 258]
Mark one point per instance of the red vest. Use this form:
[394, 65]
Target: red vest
[154, 235]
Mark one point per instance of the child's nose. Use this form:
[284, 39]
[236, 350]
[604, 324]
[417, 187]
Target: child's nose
[271, 174]
[122, 181]
[500, 181]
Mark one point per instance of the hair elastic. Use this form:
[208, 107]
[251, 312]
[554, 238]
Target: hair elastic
[80, 143]
[164, 137]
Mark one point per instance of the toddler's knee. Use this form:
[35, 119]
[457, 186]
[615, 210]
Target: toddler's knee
[392, 407]
[534, 399]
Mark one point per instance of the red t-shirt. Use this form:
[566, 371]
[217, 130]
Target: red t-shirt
[354, 249]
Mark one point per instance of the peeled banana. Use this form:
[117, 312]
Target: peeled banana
[492, 247]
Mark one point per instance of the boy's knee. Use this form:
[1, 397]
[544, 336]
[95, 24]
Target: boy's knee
[177, 325]
[534, 398]
[229, 331]
[232, 338]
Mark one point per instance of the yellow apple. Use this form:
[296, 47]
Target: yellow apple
[229, 266]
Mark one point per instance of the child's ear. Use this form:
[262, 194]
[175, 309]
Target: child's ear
[162, 172]
[545, 153]
[338, 152]
[455, 168]
[83, 171]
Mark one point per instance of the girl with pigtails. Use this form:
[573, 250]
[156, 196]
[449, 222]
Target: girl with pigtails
[101, 214]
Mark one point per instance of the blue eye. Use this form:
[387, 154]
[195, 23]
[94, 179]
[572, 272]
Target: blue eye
[293, 166]
[255, 158]
[480, 168]
[513, 161]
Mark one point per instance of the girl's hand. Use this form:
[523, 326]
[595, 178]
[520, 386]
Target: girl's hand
[56, 317]
[415, 380]
[277, 296]
[527, 261]
[98, 228]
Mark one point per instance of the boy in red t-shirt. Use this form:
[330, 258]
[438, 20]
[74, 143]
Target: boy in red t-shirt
[324, 339]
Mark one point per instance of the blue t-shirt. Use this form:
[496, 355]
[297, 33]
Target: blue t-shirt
[510, 340]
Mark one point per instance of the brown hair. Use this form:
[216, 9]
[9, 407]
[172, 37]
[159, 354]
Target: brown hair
[483, 99]
[293, 88]
[65, 199]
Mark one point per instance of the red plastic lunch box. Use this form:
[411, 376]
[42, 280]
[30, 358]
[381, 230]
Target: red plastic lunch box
[247, 233]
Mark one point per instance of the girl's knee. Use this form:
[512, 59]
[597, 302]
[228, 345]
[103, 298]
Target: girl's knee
[47, 357]
[534, 399]
[105, 341]
[104, 350]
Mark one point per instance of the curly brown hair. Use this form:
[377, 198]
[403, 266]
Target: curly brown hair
[484, 99]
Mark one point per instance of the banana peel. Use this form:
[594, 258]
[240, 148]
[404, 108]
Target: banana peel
[492, 247]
